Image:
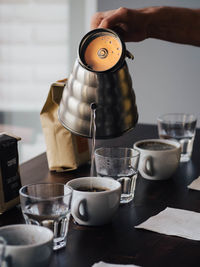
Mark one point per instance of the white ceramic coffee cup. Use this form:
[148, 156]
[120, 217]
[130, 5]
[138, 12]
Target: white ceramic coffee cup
[94, 208]
[158, 164]
[26, 245]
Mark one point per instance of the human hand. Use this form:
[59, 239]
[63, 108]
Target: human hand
[130, 24]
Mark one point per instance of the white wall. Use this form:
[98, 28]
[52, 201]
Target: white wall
[166, 76]
[33, 51]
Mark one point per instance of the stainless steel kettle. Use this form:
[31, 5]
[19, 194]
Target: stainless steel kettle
[102, 82]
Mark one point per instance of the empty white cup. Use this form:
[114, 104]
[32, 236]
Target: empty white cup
[26, 245]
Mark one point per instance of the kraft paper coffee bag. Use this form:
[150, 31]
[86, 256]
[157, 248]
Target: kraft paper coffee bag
[10, 181]
[65, 151]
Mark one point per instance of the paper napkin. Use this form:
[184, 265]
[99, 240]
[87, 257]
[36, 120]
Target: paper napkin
[195, 185]
[176, 222]
[104, 264]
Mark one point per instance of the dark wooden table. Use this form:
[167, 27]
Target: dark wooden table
[119, 242]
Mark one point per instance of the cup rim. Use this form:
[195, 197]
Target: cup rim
[96, 177]
[174, 143]
[21, 226]
[40, 198]
[161, 118]
[137, 153]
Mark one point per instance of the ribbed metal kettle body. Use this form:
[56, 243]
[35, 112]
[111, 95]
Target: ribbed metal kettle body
[113, 94]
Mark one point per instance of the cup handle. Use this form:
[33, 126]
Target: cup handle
[81, 210]
[148, 166]
[2, 250]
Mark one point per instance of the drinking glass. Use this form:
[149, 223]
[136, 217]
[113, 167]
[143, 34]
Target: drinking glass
[180, 127]
[48, 204]
[120, 164]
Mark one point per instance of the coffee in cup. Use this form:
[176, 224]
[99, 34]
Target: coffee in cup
[95, 200]
[159, 159]
[91, 189]
[155, 146]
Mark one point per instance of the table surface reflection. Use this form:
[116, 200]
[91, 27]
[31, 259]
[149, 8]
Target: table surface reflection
[119, 242]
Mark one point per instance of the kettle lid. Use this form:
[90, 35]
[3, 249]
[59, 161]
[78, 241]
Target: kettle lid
[101, 50]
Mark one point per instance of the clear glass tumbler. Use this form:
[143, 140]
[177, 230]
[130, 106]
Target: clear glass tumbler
[48, 204]
[180, 127]
[120, 164]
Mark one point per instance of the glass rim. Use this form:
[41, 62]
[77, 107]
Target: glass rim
[161, 118]
[137, 154]
[40, 198]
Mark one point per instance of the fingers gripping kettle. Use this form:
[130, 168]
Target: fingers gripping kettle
[99, 78]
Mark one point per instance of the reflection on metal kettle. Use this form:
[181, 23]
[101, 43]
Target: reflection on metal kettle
[100, 75]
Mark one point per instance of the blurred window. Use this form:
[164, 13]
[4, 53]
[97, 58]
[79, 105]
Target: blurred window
[38, 43]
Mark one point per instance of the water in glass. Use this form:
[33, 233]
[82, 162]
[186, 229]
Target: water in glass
[127, 180]
[48, 205]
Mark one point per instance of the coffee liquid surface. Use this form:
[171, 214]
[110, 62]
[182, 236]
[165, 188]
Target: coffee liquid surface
[103, 53]
[155, 146]
[93, 189]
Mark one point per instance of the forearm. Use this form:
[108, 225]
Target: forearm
[180, 25]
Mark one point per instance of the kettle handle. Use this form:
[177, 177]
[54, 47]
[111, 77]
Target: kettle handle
[129, 55]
